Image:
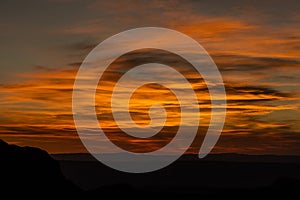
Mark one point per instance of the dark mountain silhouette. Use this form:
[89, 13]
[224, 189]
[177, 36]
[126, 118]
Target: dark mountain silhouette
[30, 171]
[27, 171]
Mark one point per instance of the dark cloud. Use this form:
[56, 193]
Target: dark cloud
[273, 12]
[18, 85]
[256, 90]
[75, 64]
[85, 46]
[37, 130]
[64, 117]
[227, 62]
[259, 142]
[249, 101]
[42, 68]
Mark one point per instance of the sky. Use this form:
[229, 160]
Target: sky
[255, 44]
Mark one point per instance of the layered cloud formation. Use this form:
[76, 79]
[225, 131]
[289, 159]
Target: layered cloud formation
[255, 46]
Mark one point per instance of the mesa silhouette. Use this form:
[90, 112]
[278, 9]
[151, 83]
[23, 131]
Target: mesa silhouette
[30, 171]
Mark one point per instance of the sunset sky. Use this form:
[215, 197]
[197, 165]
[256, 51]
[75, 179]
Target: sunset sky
[255, 44]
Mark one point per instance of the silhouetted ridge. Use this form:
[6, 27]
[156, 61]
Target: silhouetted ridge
[31, 170]
[27, 172]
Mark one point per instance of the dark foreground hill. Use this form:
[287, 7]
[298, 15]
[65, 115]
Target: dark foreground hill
[28, 171]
